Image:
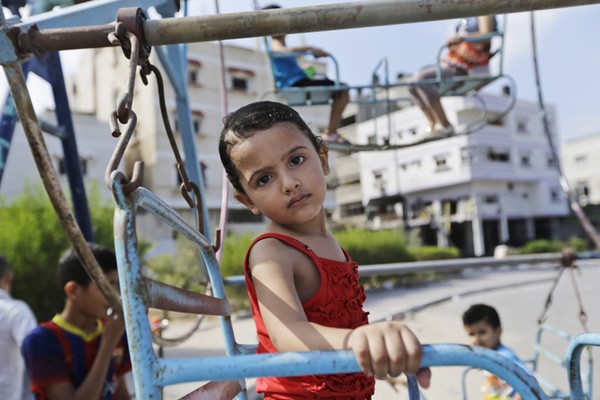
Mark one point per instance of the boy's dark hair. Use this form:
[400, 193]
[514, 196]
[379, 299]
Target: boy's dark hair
[71, 269]
[4, 267]
[252, 118]
[481, 312]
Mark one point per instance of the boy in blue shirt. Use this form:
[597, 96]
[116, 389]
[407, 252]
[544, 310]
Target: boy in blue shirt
[80, 353]
[482, 324]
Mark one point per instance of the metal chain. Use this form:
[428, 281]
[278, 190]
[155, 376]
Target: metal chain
[568, 261]
[187, 186]
[124, 114]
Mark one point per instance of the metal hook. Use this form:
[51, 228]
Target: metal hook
[115, 160]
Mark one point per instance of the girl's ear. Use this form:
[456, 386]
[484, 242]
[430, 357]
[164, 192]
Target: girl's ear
[245, 200]
[324, 157]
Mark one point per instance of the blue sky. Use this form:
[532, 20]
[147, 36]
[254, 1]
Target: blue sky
[568, 47]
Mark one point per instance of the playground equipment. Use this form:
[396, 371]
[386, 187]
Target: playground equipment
[139, 293]
[467, 85]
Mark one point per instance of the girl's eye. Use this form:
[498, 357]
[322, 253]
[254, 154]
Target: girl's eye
[297, 160]
[263, 180]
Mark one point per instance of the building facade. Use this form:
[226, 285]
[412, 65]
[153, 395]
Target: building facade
[95, 90]
[581, 169]
[495, 185]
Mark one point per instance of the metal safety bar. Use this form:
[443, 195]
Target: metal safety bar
[539, 350]
[152, 373]
[458, 264]
[574, 359]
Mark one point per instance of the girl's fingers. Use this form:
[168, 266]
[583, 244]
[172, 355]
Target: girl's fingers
[414, 352]
[424, 377]
[379, 355]
[362, 354]
[396, 352]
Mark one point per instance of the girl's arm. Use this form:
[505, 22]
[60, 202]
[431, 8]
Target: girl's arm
[381, 349]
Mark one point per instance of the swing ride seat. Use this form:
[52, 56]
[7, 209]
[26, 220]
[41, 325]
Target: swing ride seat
[227, 373]
[306, 95]
[470, 84]
[573, 369]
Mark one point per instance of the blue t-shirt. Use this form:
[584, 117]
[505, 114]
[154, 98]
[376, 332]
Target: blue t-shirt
[286, 70]
[494, 388]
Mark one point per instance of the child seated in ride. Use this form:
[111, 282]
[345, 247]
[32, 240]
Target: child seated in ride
[303, 286]
[289, 74]
[482, 324]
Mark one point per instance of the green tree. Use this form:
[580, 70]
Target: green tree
[32, 240]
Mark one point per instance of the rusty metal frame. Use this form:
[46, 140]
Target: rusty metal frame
[359, 14]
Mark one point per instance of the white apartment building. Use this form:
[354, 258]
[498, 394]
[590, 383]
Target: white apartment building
[581, 168]
[94, 93]
[475, 191]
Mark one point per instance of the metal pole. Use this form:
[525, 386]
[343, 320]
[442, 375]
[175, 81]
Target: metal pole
[358, 14]
[24, 106]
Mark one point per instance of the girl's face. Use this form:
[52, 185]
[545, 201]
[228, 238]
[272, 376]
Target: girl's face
[282, 174]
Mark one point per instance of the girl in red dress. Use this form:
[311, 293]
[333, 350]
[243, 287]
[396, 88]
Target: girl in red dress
[303, 286]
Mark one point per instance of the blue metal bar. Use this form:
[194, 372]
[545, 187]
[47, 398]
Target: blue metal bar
[88, 13]
[343, 361]
[574, 359]
[152, 373]
[71, 160]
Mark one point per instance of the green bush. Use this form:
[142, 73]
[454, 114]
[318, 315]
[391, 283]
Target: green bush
[554, 246]
[232, 263]
[32, 240]
[430, 253]
[374, 247]
[183, 269]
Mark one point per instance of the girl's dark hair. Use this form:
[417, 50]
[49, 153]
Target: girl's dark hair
[481, 312]
[252, 118]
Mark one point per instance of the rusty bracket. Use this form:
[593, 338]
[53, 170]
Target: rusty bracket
[568, 258]
[133, 19]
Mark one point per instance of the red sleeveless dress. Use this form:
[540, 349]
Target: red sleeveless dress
[337, 303]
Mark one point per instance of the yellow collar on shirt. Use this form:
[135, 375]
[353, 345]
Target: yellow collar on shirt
[77, 331]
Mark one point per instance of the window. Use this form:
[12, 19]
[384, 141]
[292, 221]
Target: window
[582, 192]
[372, 139]
[498, 155]
[193, 70]
[554, 195]
[243, 216]
[525, 160]
[581, 159]
[490, 199]
[239, 84]
[441, 163]
[351, 209]
[467, 155]
[240, 78]
[62, 168]
[551, 161]
[522, 125]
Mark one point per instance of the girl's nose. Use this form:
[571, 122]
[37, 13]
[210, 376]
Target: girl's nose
[289, 183]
